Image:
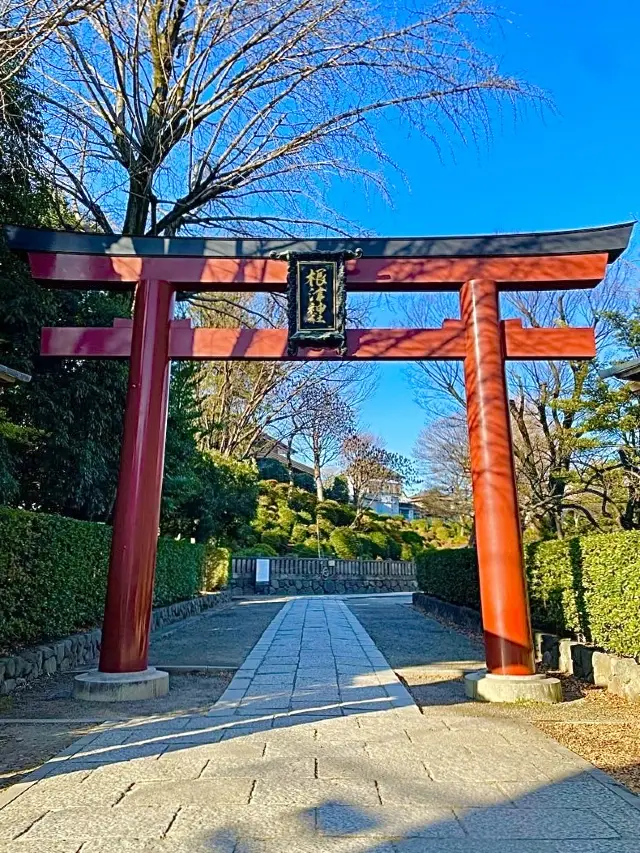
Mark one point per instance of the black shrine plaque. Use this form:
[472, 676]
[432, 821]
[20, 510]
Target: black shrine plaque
[316, 299]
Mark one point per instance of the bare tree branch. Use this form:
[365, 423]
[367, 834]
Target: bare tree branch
[212, 111]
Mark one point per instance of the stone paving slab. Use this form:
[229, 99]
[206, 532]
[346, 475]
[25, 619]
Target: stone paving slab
[316, 747]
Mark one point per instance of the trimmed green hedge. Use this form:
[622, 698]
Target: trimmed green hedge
[587, 586]
[53, 575]
[450, 574]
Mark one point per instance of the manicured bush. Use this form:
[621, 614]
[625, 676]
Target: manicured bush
[325, 526]
[311, 543]
[302, 501]
[388, 547]
[216, 568]
[344, 542]
[406, 552]
[550, 579]
[276, 539]
[410, 537]
[298, 534]
[179, 571]
[256, 551]
[286, 518]
[303, 550]
[450, 574]
[367, 549]
[340, 515]
[53, 575]
[588, 586]
[412, 544]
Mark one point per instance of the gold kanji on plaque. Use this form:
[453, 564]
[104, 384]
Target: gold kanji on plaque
[317, 310]
[317, 304]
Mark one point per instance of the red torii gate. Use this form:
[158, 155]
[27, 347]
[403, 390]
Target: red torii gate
[479, 268]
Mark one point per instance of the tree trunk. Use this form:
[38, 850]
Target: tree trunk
[317, 470]
[135, 221]
[317, 475]
[289, 460]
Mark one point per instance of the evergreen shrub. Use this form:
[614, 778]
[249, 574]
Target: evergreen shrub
[216, 568]
[587, 586]
[256, 551]
[53, 575]
[276, 539]
[344, 542]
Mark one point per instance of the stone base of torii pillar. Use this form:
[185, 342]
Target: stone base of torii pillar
[96, 686]
[485, 687]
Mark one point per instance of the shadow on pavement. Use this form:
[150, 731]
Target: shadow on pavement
[301, 765]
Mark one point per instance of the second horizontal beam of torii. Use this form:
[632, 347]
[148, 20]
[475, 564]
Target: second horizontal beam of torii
[446, 343]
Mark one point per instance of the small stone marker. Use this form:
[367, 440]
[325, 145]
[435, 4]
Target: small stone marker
[262, 572]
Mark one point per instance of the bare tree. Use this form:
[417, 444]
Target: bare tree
[171, 115]
[326, 420]
[438, 385]
[547, 405]
[370, 468]
[443, 450]
[246, 405]
[555, 468]
[26, 25]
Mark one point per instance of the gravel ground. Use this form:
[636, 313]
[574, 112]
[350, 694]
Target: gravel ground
[431, 657]
[217, 638]
[220, 637]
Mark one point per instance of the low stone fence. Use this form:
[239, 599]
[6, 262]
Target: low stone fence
[308, 576]
[79, 650]
[589, 663]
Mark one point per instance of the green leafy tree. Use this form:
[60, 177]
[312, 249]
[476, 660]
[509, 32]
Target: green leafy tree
[182, 484]
[338, 490]
[226, 502]
[613, 417]
[59, 434]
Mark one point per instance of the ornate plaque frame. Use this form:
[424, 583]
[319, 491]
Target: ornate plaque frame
[317, 308]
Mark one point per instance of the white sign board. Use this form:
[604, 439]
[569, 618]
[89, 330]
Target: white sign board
[262, 571]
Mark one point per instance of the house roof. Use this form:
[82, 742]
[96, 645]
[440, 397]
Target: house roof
[629, 370]
[275, 449]
[8, 375]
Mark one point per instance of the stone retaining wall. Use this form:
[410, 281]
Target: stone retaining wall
[308, 576]
[78, 650]
[619, 675]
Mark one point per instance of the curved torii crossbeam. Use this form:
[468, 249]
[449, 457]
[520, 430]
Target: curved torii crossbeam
[479, 268]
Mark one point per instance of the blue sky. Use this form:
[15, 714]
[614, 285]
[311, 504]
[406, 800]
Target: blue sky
[572, 168]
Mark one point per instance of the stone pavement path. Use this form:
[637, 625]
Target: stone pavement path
[316, 747]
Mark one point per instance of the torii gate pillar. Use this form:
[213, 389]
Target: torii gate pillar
[503, 592]
[125, 635]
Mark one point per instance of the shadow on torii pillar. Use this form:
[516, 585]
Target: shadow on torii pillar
[478, 268]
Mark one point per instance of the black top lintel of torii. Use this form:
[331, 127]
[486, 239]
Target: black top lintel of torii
[610, 239]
